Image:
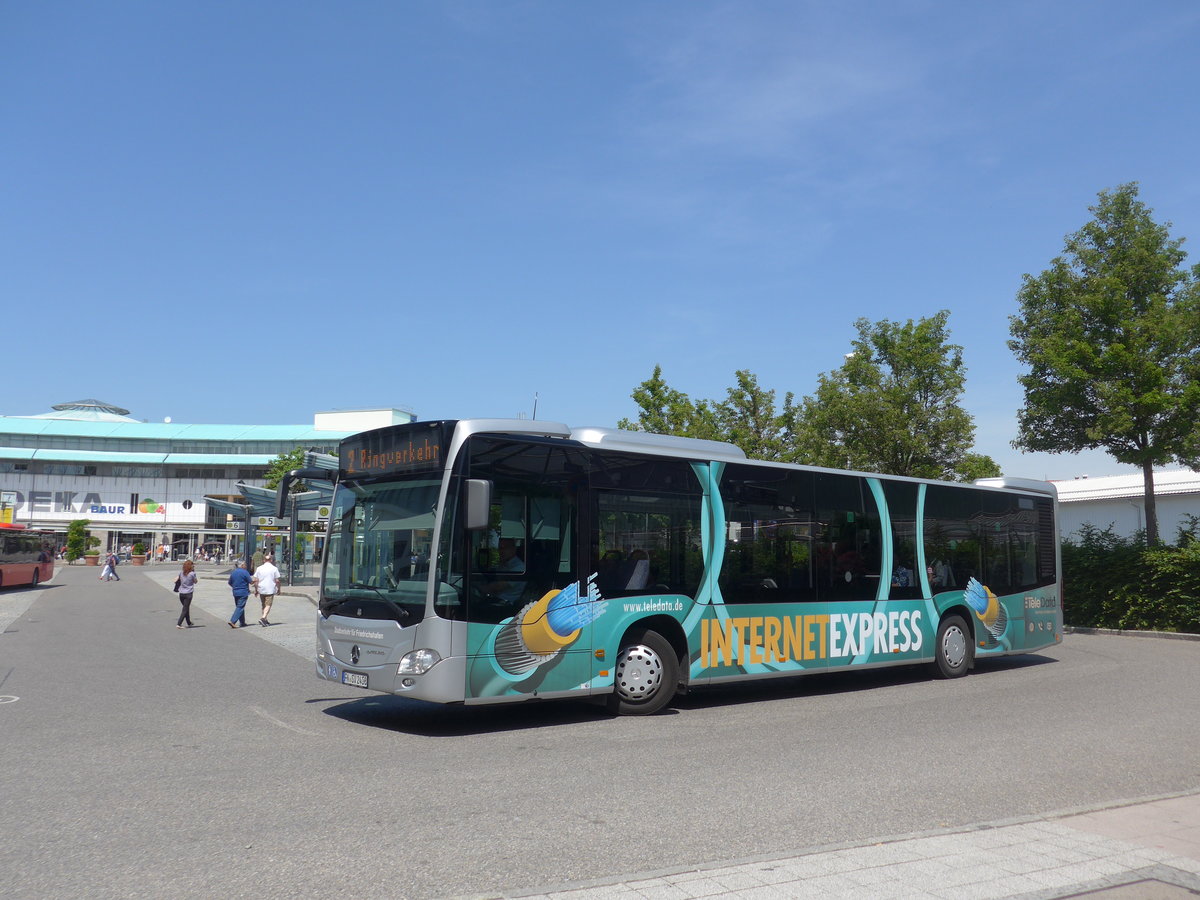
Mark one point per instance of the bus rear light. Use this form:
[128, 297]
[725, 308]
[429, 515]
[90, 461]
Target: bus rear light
[418, 662]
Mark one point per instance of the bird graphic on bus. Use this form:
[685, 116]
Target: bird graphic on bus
[988, 610]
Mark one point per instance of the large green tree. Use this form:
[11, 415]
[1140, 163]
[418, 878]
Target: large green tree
[893, 406]
[664, 410]
[281, 465]
[746, 417]
[1110, 337]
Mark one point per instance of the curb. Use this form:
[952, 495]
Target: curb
[1120, 632]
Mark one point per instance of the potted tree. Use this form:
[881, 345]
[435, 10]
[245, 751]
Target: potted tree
[77, 541]
[139, 554]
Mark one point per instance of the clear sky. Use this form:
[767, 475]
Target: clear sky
[248, 212]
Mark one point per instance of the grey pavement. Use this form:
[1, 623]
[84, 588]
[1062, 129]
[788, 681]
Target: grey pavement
[293, 613]
[1146, 850]
[1140, 849]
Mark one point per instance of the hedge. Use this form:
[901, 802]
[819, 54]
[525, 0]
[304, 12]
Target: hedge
[1115, 582]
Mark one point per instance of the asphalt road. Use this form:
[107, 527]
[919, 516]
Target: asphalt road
[138, 760]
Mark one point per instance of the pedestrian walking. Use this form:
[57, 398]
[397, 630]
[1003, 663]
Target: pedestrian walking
[266, 585]
[186, 584]
[109, 572]
[239, 581]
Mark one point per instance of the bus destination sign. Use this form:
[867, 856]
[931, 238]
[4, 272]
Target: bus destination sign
[396, 450]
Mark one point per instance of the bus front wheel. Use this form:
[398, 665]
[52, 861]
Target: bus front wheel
[953, 648]
[645, 675]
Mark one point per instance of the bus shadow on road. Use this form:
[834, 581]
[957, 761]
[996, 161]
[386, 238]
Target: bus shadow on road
[417, 717]
[823, 684]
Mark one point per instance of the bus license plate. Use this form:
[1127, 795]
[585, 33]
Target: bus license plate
[354, 679]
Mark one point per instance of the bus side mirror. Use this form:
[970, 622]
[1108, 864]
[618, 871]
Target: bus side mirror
[477, 503]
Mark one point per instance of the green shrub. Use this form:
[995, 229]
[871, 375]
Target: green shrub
[77, 539]
[1115, 582]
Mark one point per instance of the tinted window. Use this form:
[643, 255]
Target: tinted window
[901, 499]
[529, 547]
[769, 539]
[847, 538]
[647, 543]
[1005, 541]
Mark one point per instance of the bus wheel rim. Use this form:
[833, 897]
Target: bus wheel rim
[639, 674]
[954, 646]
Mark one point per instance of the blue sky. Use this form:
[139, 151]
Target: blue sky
[248, 212]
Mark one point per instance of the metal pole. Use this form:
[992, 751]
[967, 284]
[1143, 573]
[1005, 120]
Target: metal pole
[292, 544]
[248, 539]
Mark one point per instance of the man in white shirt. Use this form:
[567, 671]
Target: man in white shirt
[266, 585]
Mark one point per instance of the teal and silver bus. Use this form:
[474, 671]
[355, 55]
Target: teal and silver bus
[494, 560]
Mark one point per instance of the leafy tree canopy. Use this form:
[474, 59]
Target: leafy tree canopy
[1110, 337]
[893, 406]
[746, 417]
[77, 539]
[281, 465]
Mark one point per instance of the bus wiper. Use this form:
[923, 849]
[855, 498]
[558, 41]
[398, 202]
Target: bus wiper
[400, 610]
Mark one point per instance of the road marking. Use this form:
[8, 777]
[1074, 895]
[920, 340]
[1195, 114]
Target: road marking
[270, 718]
[9, 699]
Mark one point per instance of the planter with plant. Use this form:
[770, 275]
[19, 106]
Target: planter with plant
[77, 540]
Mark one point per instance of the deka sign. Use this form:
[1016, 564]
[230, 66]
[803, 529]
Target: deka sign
[89, 503]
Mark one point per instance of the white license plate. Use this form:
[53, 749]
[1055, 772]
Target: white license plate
[354, 679]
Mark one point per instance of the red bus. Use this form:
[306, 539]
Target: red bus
[26, 556]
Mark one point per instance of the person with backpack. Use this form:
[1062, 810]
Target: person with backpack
[109, 572]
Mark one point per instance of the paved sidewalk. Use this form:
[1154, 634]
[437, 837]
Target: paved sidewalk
[1148, 850]
[293, 614]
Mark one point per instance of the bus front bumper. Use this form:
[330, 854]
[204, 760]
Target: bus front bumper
[444, 682]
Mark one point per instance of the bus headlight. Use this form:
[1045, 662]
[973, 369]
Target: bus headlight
[418, 662]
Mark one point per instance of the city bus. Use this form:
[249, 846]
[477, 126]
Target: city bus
[26, 555]
[493, 560]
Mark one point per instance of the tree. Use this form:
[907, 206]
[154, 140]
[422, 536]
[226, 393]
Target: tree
[746, 417]
[664, 410]
[77, 539]
[281, 465]
[893, 406]
[1110, 335]
[976, 465]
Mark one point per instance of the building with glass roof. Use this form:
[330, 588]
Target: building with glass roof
[148, 482]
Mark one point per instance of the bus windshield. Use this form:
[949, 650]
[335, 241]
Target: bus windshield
[379, 544]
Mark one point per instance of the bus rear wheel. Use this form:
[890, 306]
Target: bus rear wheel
[33, 582]
[645, 675]
[953, 648]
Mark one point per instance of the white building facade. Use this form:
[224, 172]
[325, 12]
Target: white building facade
[1119, 501]
[147, 482]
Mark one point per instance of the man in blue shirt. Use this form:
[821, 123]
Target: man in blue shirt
[239, 580]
